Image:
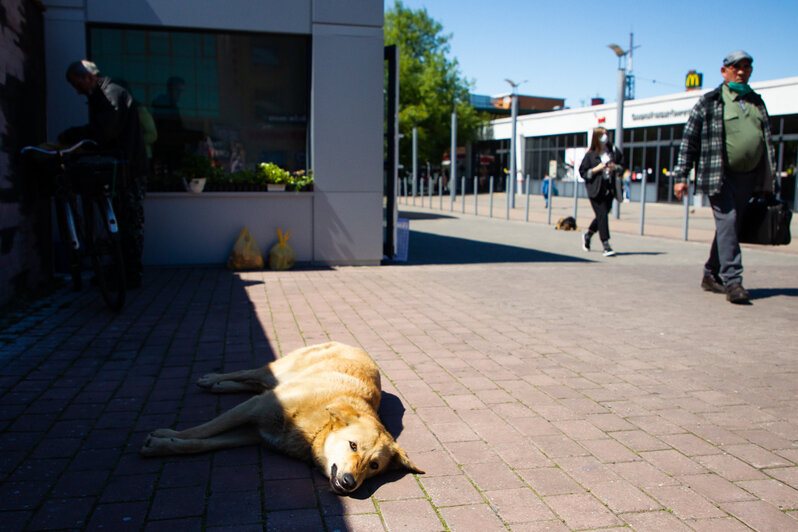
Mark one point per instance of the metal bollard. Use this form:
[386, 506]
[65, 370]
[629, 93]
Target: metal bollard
[508, 193]
[576, 193]
[490, 195]
[476, 195]
[430, 192]
[440, 194]
[642, 203]
[526, 189]
[462, 191]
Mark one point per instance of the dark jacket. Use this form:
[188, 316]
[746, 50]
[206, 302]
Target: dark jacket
[113, 124]
[704, 145]
[594, 184]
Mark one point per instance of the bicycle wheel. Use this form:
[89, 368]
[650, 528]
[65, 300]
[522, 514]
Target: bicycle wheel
[105, 249]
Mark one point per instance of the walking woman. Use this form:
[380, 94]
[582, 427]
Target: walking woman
[600, 168]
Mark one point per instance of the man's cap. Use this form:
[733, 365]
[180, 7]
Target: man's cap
[735, 56]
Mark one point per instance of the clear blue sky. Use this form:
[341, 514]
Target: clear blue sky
[560, 47]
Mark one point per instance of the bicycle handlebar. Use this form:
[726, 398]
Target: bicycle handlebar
[59, 152]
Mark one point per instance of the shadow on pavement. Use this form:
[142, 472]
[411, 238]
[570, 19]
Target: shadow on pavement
[426, 248]
[764, 293]
[423, 216]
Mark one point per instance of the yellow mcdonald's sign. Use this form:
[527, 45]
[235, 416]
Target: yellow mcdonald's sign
[693, 80]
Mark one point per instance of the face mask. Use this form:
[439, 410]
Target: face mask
[740, 88]
[604, 139]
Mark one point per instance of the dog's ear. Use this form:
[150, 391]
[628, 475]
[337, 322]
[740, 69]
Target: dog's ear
[342, 413]
[401, 461]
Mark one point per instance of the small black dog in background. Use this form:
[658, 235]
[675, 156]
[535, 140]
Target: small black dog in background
[566, 224]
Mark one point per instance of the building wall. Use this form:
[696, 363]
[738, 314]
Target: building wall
[346, 120]
[22, 234]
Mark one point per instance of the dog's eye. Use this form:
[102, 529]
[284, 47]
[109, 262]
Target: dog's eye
[374, 465]
[353, 446]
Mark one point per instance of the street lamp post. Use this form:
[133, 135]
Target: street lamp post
[619, 116]
[514, 116]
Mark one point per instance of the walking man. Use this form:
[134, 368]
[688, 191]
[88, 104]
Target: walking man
[728, 139]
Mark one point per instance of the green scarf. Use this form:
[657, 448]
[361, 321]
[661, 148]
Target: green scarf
[740, 88]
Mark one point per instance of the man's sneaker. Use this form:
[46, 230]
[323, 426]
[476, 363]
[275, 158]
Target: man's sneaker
[608, 252]
[711, 283]
[735, 293]
[586, 241]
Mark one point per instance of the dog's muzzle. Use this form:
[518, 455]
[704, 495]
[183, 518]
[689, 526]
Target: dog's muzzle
[343, 485]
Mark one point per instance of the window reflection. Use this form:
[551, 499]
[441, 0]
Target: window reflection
[238, 98]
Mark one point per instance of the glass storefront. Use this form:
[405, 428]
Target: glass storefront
[237, 98]
[651, 152]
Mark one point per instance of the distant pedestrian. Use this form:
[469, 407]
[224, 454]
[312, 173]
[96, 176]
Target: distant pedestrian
[600, 168]
[544, 189]
[728, 139]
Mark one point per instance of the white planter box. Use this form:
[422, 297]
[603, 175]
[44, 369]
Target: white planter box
[182, 228]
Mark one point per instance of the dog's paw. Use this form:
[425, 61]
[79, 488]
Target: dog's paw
[153, 446]
[208, 381]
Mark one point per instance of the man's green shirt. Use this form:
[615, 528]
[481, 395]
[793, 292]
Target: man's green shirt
[745, 139]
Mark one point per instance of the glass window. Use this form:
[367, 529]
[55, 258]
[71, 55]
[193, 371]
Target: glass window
[790, 125]
[238, 98]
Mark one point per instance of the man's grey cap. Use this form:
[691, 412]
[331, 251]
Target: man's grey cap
[737, 55]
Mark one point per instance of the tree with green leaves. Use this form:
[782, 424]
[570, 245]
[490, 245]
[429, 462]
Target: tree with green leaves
[430, 86]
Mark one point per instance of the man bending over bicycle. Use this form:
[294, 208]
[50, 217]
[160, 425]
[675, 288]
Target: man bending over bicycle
[114, 125]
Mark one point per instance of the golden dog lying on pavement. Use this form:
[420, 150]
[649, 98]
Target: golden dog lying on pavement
[318, 403]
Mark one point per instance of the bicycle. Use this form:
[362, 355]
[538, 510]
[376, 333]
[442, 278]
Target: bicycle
[84, 186]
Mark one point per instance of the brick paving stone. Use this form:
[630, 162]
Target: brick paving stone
[540, 526]
[721, 524]
[472, 452]
[436, 463]
[235, 478]
[761, 515]
[550, 481]
[730, 467]
[521, 455]
[519, 505]
[450, 491]
[756, 456]
[472, 517]
[119, 516]
[492, 476]
[175, 525]
[715, 488]
[410, 515]
[688, 444]
[656, 521]
[621, 496]
[772, 491]
[396, 486]
[673, 462]
[361, 522]
[62, 513]
[609, 451]
[639, 441]
[788, 475]
[174, 503]
[684, 502]
[582, 510]
[233, 508]
[587, 470]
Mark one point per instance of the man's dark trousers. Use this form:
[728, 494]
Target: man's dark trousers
[728, 205]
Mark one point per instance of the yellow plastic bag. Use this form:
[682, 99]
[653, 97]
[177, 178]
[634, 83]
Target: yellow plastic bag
[281, 256]
[246, 254]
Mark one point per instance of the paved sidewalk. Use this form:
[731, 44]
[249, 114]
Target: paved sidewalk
[540, 387]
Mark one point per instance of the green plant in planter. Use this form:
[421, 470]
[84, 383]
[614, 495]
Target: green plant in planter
[270, 173]
[195, 166]
[302, 180]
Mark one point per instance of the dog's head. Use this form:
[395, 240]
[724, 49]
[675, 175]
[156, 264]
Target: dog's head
[358, 447]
